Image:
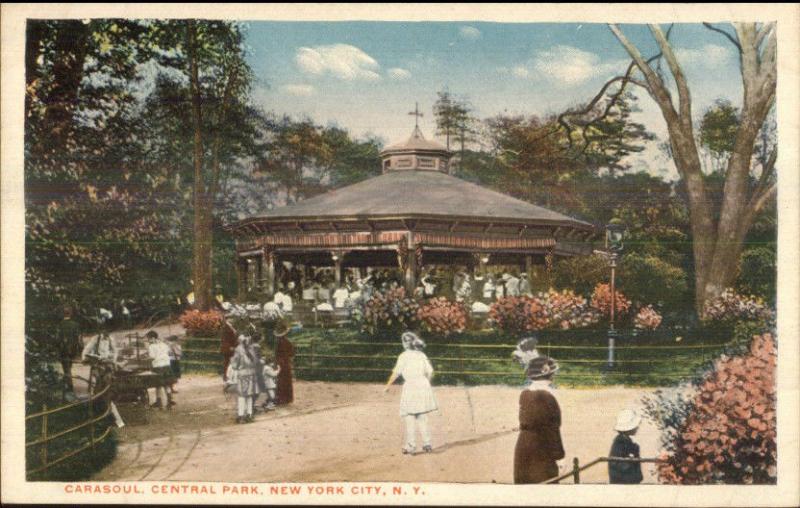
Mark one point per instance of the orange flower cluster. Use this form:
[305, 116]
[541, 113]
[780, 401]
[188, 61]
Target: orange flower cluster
[443, 317]
[601, 300]
[201, 324]
[390, 310]
[729, 435]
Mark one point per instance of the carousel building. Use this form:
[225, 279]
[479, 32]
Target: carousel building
[414, 216]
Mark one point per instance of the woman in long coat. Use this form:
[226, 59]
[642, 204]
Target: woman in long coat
[284, 352]
[539, 444]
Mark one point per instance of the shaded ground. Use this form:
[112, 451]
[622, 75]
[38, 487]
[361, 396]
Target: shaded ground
[352, 432]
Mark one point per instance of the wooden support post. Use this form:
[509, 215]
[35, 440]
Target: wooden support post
[241, 279]
[337, 267]
[268, 272]
[411, 265]
[576, 471]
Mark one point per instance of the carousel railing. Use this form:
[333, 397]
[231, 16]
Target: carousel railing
[46, 436]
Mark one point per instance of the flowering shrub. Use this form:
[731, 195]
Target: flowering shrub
[647, 318]
[727, 432]
[443, 317]
[565, 310]
[731, 306]
[389, 310]
[201, 324]
[553, 309]
[516, 314]
[601, 300]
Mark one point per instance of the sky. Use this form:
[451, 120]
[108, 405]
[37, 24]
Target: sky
[367, 76]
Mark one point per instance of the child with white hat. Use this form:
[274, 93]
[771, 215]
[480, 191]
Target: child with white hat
[623, 447]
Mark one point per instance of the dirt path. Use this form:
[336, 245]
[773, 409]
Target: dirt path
[352, 432]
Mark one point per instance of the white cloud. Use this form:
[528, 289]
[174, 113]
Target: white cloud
[299, 90]
[469, 32]
[710, 55]
[341, 60]
[520, 71]
[398, 73]
[567, 66]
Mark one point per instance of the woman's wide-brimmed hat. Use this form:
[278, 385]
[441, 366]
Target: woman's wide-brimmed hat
[281, 329]
[541, 367]
[627, 420]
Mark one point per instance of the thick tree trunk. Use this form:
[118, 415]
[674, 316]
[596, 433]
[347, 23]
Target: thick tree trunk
[201, 255]
[717, 242]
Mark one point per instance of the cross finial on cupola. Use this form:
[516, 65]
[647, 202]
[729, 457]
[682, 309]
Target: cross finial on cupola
[416, 114]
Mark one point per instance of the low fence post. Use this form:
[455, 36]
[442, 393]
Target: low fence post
[576, 470]
[312, 358]
[461, 363]
[44, 436]
[91, 420]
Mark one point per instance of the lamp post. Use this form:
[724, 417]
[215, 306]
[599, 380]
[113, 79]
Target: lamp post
[614, 236]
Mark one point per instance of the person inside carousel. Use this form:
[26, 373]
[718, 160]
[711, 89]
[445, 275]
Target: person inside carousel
[488, 287]
[242, 375]
[464, 293]
[429, 284]
[512, 284]
[159, 352]
[524, 285]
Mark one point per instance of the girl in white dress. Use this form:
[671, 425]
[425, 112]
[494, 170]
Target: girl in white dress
[417, 399]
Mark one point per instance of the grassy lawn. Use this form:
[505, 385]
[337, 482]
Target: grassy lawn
[484, 357]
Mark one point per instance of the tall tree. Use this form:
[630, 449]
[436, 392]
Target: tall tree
[717, 239]
[453, 119]
[210, 54]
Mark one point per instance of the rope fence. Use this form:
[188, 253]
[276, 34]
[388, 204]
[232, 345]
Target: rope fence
[459, 361]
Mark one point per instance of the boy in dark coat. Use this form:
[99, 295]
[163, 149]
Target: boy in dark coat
[624, 447]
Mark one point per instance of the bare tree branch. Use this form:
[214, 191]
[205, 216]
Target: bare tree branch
[655, 86]
[685, 102]
[726, 34]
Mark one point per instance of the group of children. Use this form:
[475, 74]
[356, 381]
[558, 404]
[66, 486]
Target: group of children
[250, 374]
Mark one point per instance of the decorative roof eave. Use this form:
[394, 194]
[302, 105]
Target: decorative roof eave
[423, 151]
[254, 221]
